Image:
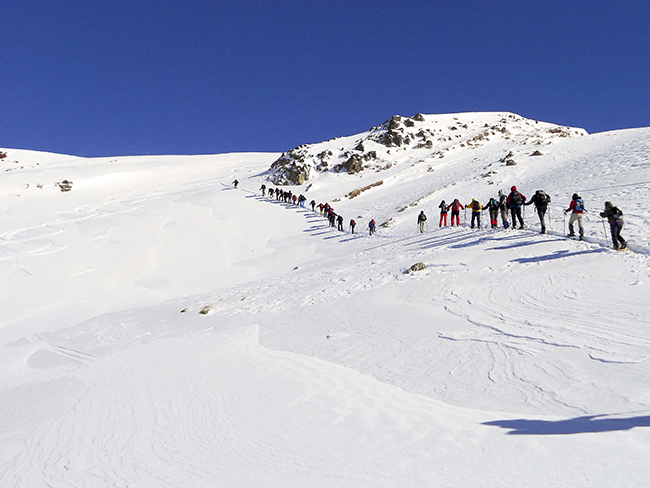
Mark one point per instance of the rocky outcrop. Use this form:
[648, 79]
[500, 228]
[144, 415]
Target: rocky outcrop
[65, 185]
[353, 165]
[291, 168]
[414, 140]
[417, 267]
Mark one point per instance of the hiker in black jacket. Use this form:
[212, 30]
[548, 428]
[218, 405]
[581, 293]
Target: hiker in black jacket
[493, 207]
[515, 201]
[541, 201]
[422, 219]
[444, 209]
[615, 219]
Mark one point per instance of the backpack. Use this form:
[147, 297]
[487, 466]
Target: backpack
[444, 208]
[580, 205]
[493, 204]
[617, 213]
[542, 198]
[353, 223]
[476, 205]
[516, 198]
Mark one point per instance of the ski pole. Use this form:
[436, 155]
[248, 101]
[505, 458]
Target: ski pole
[564, 223]
[605, 230]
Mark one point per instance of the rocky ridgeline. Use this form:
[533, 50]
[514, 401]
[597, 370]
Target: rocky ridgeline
[426, 136]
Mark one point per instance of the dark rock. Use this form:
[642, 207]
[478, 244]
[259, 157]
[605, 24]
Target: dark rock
[65, 185]
[394, 122]
[417, 267]
[391, 139]
[353, 165]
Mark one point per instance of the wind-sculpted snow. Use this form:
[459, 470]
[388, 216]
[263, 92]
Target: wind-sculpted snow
[160, 328]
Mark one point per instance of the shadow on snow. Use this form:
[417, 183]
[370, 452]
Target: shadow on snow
[578, 425]
[561, 254]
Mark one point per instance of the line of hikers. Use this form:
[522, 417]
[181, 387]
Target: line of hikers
[324, 208]
[514, 202]
[337, 220]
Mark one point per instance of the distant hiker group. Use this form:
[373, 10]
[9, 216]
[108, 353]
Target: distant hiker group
[335, 220]
[508, 207]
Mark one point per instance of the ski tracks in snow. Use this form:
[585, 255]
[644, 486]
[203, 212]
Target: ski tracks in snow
[519, 328]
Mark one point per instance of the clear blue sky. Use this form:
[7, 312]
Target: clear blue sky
[107, 78]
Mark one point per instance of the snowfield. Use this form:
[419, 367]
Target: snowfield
[160, 328]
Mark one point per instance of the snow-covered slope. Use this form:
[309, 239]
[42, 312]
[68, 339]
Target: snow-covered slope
[159, 328]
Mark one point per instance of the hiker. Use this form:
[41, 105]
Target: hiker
[313, 205]
[422, 219]
[456, 207]
[294, 198]
[332, 218]
[577, 209]
[541, 200]
[339, 221]
[352, 225]
[444, 208]
[515, 201]
[271, 192]
[493, 207]
[371, 227]
[503, 207]
[235, 183]
[476, 212]
[320, 208]
[263, 188]
[615, 218]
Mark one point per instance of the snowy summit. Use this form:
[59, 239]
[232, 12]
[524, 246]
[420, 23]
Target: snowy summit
[161, 327]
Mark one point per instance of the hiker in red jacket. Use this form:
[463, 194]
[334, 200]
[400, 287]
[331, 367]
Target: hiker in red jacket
[456, 207]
